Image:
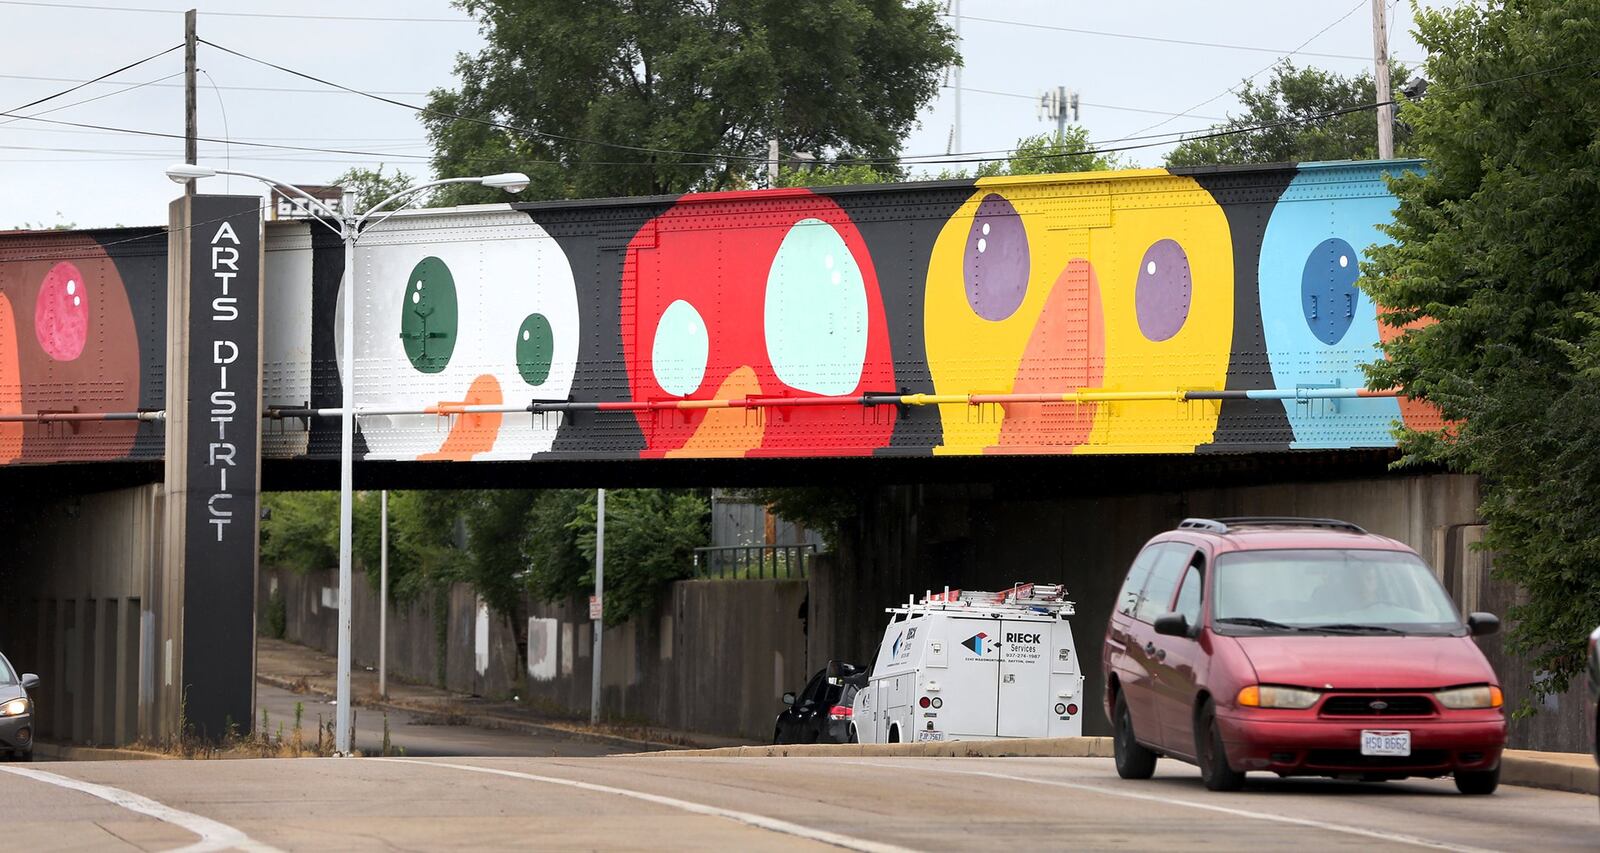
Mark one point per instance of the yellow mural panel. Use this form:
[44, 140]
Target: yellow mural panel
[1064, 283]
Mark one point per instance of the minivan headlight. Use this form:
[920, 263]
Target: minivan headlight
[1271, 696]
[14, 708]
[1463, 698]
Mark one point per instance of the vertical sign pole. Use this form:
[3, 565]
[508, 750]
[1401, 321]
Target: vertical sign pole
[599, 594]
[955, 133]
[342, 735]
[1380, 76]
[383, 596]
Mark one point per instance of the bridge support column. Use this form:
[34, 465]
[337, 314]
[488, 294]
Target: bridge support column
[206, 609]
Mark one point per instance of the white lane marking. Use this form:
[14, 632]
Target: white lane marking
[1245, 813]
[760, 821]
[213, 835]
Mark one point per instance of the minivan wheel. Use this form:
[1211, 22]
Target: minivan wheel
[1213, 757]
[1133, 760]
[1477, 781]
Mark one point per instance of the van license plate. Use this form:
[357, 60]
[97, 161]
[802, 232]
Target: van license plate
[927, 735]
[1385, 742]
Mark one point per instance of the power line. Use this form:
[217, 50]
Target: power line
[1160, 39]
[208, 13]
[1234, 89]
[134, 64]
[298, 91]
[1035, 99]
[91, 100]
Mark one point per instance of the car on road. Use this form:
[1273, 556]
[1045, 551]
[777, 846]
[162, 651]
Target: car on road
[819, 713]
[1302, 647]
[16, 712]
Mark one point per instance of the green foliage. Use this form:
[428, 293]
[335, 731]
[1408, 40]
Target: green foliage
[651, 535]
[836, 175]
[557, 567]
[1044, 154]
[1294, 95]
[720, 78]
[372, 186]
[1496, 243]
[825, 509]
[277, 618]
[301, 531]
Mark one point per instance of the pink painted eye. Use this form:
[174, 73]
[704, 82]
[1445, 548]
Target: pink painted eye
[61, 316]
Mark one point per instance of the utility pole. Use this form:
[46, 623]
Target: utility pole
[383, 595]
[191, 127]
[1380, 76]
[955, 131]
[1056, 104]
[597, 609]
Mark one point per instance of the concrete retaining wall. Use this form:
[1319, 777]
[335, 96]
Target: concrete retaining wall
[716, 657]
[73, 583]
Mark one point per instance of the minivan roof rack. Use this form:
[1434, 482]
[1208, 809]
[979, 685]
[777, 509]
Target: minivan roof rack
[1223, 525]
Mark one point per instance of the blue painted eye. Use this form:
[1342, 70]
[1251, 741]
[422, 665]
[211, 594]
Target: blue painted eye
[1328, 292]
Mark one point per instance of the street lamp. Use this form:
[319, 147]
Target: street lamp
[349, 228]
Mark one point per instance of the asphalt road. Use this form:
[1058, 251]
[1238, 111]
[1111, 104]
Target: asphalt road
[417, 734]
[705, 803]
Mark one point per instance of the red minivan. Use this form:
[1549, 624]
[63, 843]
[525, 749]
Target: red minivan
[1302, 647]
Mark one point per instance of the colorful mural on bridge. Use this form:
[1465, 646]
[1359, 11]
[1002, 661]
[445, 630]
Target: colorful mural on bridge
[1146, 311]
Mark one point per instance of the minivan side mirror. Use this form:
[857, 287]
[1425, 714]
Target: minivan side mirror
[1479, 624]
[29, 681]
[788, 698]
[1172, 625]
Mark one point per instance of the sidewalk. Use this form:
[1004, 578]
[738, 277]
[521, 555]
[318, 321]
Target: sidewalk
[305, 670]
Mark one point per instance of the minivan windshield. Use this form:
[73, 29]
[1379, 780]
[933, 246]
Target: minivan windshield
[6, 675]
[1331, 590]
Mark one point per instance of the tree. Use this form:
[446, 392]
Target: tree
[651, 535]
[628, 98]
[1493, 276]
[372, 186]
[1291, 102]
[1047, 153]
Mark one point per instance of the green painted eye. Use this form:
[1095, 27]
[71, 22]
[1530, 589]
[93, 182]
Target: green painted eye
[535, 349]
[428, 316]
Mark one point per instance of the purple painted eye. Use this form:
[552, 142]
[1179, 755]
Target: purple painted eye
[1161, 297]
[996, 260]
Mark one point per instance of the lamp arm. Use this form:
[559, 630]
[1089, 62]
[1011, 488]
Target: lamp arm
[361, 221]
[284, 185]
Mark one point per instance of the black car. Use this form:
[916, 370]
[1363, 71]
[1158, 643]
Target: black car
[820, 714]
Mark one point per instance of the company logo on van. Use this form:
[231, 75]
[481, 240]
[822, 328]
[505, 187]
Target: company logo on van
[977, 642]
[1022, 638]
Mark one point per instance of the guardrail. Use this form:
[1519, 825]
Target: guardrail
[754, 562]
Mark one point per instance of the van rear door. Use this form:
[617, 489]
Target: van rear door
[1025, 702]
[967, 684]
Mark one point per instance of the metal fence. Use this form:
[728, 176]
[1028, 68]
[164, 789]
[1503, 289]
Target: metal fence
[754, 562]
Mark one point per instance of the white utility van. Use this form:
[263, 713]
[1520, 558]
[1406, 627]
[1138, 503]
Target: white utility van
[962, 665]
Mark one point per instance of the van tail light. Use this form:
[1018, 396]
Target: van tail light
[841, 712]
[924, 701]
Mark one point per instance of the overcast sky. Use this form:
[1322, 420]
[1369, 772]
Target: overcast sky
[54, 174]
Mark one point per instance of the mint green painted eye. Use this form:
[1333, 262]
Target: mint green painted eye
[428, 316]
[536, 347]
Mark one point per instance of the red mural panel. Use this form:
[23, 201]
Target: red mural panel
[67, 344]
[787, 305]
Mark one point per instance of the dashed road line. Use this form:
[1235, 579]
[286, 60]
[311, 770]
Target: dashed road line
[759, 821]
[214, 835]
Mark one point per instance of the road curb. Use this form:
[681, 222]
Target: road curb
[493, 722]
[1534, 771]
[64, 752]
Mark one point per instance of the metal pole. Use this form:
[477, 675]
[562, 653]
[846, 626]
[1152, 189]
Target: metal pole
[383, 596]
[599, 593]
[1380, 76]
[191, 124]
[347, 429]
[955, 133]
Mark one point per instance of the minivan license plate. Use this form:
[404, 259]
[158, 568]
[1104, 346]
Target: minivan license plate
[930, 735]
[1385, 742]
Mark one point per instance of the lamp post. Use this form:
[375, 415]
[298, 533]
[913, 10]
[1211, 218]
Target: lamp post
[349, 227]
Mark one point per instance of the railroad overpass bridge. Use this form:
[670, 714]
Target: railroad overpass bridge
[1130, 332]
